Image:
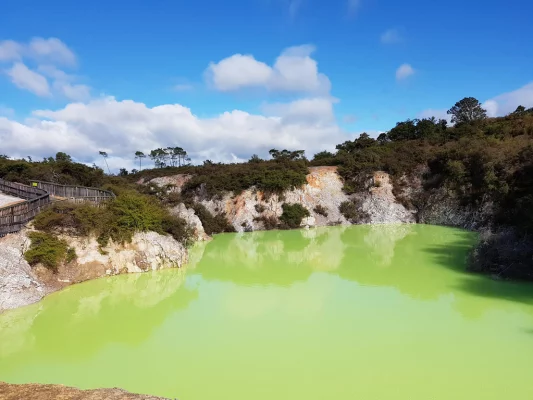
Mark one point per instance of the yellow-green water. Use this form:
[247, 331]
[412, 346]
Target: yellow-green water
[365, 312]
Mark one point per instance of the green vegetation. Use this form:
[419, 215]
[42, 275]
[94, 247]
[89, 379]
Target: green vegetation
[292, 215]
[349, 210]
[48, 250]
[118, 220]
[212, 223]
[479, 161]
[321, 210]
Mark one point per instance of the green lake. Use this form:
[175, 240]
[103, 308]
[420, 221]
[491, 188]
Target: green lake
[361, 312]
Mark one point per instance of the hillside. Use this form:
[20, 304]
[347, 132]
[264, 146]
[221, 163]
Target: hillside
[476, 174]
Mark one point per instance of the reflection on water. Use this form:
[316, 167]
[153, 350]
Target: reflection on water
[373, 312]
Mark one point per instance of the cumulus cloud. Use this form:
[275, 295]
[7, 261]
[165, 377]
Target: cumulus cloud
[52, 50]
[507, 102]
[404, 71]
[47, 79]
[26, 79]
[293, 71]
[391, 36]
[10, 50]
[123, 127]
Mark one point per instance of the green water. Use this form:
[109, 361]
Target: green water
[365, 312]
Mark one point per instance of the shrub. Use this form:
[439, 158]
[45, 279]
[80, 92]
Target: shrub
[269, 223]
[321, 210]
[293, 214]
[118, 220]
[260, 208]
[349, 210]
[48, 250]
[212, 223]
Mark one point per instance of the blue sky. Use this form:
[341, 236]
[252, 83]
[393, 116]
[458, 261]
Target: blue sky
[342, 75]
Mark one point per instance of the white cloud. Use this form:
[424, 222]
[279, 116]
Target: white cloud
[77, 92]
[507, 102]
[293, 71]
[25, 78]
[10, 50]
[52, 50]
[404, 71]
[391, 36]
[64, 84]
[123, 127]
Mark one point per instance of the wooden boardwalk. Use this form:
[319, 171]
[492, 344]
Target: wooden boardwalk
[20, 203]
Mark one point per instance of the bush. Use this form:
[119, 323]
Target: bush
[48, 250]
[269, 223]
[118, 220]
[212, 223]
[260, 208]
[349, 210]
[321, 210]
[293, 214]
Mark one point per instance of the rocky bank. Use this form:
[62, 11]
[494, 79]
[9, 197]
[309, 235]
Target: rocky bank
[246, 210]
[21, 284]
[60, 392]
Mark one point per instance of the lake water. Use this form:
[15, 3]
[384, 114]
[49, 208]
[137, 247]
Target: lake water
[362, 312]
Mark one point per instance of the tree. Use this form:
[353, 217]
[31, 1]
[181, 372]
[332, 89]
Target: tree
[123, 172]
[383, 138]
[60, 156]
[159, 157]
[255, 159]
[104, 155]
[287, 154]
[520, 110]
[467, 110]
[139, 155]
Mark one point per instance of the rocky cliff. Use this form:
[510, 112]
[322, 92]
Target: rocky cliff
[21, 284]
[246, 211]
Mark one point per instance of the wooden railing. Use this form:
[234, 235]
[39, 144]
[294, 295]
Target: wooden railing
[39, 195]
[14, 217]
[79, 193]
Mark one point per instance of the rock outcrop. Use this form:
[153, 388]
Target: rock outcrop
[18, 283]
[380, 205]
[34, 391]
[21, 284]
[246, 210]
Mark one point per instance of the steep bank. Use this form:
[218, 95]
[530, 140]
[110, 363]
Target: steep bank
[21, 284]
[322, 196]
[34, 391]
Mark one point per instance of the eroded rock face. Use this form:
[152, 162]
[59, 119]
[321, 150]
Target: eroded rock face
[18, 283]
[21, 284]
[60, 392]
[380, 205]
[323, 188]
[192, 219]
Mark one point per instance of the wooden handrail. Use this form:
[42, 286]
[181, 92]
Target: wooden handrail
[37, 197]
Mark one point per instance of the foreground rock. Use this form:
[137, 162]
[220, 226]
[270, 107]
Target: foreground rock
[21, 284]
[59, 392]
